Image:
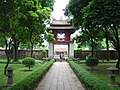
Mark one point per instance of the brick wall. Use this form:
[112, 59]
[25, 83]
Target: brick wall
[38, 54]
[97, 54]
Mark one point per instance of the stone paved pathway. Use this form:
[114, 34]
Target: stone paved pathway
[60, 77]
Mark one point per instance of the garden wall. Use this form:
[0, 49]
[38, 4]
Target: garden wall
[97, 54]
[38, 54]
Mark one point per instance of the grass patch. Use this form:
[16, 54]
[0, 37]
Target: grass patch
[91, 81]
[20, 72]
[101, 72]
[30, 82]
[100, 61]
[20, 61]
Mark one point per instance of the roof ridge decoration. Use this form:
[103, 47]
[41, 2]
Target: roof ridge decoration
[60, 22]
[60, 25]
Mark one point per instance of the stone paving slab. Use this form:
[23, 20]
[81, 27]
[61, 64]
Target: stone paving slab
[60, 77]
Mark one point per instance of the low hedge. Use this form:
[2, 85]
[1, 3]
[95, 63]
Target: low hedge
[30, 82]
[90, 81]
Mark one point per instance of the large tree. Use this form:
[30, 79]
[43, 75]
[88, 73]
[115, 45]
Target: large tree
[74, 9]
[26, 20]
[6, 13]
[105, 14]
[89, 37]
[99, 14]
[23, 21]
[36, 14]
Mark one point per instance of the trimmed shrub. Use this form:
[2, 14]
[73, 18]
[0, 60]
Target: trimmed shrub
[30, 82]
[28, 62]
[92, 62]
[90, 81]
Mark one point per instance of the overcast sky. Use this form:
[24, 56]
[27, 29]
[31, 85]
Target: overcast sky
[58, 12]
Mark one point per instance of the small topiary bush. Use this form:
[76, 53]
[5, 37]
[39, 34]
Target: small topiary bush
[92, 62]
[28, 62]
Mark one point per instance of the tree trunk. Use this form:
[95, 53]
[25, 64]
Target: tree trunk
[92, 48]
[118, 45]
[7, 55]
[7, 64]
[15, 56]
[118, 57]
[31, 49]
[118, 50]
[118, 62]
[29, 68]
[15, 48]
[107, 45]
[92, 52]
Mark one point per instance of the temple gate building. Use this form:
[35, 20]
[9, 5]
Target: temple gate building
[62, 31]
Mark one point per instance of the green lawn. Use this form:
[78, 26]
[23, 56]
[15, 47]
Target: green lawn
[20, 61]
[20, 72]
[100, 61]
[101, 71]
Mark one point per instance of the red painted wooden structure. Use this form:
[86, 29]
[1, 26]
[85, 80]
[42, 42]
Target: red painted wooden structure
[61, 28]
[62, 31]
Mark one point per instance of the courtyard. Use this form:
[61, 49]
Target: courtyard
[59, 45]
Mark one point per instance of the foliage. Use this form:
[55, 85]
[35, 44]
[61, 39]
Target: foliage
[5, 27]
[49, 36]
[100, 18]
[92, 62]
[28, 62]
[74, 9]
[44, 54]
[37, 14]
[29, 82]
[91, 81]
[24, 18]
[20, 73]
[88, 38]
[102, 67]
[104, 15]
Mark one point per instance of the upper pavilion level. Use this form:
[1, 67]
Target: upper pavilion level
[62, 31]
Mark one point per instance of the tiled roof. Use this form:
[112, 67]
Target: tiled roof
[58, 28]
[60, 22]
[60, 25]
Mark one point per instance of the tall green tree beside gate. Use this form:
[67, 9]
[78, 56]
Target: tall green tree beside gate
[6, 13]
[74, 8]
[23, 21]
[98, 14]
[36, 14]
[105, 14]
